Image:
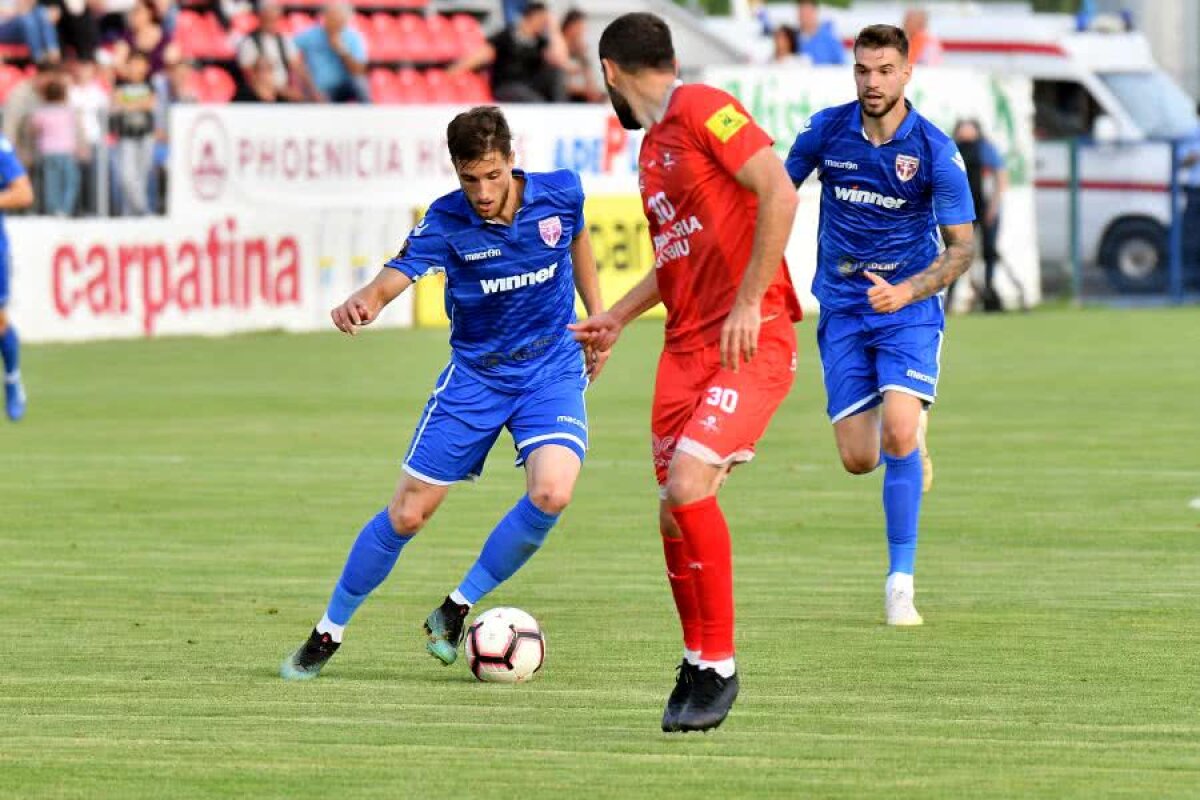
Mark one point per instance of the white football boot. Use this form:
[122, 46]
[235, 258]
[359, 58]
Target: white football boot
[898, 596]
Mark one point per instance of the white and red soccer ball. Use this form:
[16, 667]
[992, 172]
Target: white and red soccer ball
[505, 645]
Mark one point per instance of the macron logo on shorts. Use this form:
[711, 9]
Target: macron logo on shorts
[494, 285]
[863, 196]
[920, 376]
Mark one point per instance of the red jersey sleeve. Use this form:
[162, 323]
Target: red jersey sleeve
[723, 128]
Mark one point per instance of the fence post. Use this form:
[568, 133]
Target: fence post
[1175, 233]
[1073, 222]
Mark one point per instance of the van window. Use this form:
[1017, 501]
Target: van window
[1157, 105]
[1062, 109]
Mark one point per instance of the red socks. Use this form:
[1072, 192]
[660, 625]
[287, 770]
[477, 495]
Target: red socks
[706, 535]
[683, 587]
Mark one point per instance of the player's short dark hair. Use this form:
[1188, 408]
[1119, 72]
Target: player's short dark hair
[571, 17]
[533, 8]
[473, 134]
[877, 37]
[639, 40]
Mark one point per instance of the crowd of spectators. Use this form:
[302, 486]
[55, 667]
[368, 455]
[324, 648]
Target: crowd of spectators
[87, 85]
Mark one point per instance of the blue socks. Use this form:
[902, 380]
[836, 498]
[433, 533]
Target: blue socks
[901, 507]
[371, 559]
[10, 351]
[517, 537]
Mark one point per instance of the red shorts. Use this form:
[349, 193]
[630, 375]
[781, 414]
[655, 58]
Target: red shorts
[715, 414]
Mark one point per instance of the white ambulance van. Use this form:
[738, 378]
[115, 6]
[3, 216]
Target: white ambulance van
[1101, 84]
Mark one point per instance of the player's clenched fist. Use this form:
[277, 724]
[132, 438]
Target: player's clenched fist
[598, 332]
[352, 313]
[886, 298]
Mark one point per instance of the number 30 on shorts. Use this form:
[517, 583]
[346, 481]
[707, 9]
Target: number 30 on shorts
[724, 399]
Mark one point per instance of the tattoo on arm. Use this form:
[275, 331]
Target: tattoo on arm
[945, 269]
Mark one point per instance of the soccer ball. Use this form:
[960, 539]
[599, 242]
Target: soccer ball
[505, 645]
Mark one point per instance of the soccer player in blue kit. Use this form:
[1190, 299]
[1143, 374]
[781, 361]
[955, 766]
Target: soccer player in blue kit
[16, 191]
[514, 248]
[890, 182]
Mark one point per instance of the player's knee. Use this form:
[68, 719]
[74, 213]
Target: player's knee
[683, 489]
[899, 441]
[550, 498]
[407, 518]
[859, 462]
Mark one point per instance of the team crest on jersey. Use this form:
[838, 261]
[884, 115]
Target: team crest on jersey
[551, 230]
[906, 167]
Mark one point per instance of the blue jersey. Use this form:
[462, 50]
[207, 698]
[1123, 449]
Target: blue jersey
[10, 170]
[880, 206]
[510, 289]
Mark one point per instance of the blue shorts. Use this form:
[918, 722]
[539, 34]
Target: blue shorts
[464, 416]
[865, 355]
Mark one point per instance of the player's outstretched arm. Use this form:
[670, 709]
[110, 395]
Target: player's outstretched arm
[765, 175]
[587, 283]
[362, 307]
[600, 331]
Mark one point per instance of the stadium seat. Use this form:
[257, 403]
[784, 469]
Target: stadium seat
[244, 24]
[414, 45]
[444, 41]
[383, 38]
[468, 30]
[218, 85]
[298, 21]
[470, 87]
[13, 52]
[440, 87]
[383, 86]
[410, 86]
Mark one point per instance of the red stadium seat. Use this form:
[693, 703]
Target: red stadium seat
[411, 86]
[298, 21]
[219, 86]
[384, 39]
[441, 89]
[471, 87]
[469, 31]
[13, 51]
[444, 42]
[383, 85]
[244, 24]
[414, 44]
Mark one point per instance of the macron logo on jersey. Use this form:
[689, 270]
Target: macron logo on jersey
[863, 196]
[494, 285]
[491, 252]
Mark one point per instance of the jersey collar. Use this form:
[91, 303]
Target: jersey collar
[910, 121]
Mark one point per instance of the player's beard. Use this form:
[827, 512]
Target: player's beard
[888, 104]
[497, 207]
[622, 109]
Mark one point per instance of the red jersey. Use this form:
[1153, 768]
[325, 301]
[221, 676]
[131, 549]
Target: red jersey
[701, 219]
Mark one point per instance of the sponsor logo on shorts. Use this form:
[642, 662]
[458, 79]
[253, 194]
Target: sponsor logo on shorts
[572, 421]
[922, 377]
[664, 448]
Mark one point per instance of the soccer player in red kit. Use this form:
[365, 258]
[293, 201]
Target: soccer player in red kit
[720, 206]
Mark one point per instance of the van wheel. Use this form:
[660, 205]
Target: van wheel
[1134, 254]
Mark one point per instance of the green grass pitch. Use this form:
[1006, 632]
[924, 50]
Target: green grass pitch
[173, 514]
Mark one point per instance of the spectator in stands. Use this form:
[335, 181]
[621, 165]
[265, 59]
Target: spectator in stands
[20, 103]
[145, 36]
[110, 17]
[88, 95]
[923, 46]
[816, 41]
[25, 22]
[1189, 181]
[56, 130]
[784, 39]
[270, 42]
[581, 83]
[175, 86]
[76, 25]
[528, 59]
[133, 124]
[261, 88]
[336, 57]
[988, 180]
